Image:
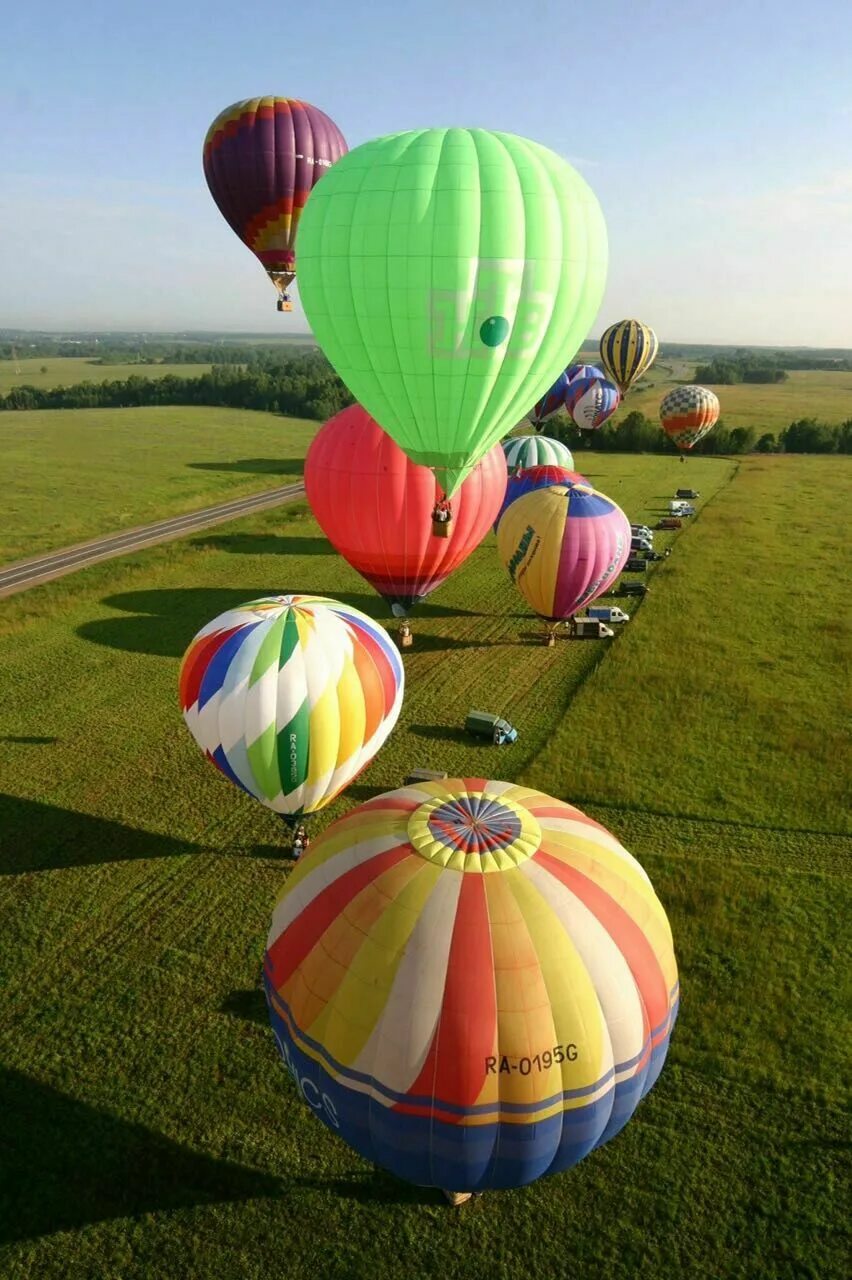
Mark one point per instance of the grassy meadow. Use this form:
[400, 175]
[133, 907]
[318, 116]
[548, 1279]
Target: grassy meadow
[71, 474]
[149, 1130]
[47, 372]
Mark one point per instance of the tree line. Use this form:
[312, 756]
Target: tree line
[637, 434]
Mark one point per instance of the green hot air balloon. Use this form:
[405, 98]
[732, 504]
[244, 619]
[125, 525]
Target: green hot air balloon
[449, 275]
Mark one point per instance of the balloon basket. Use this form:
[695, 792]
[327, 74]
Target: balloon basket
[404, 637]
[441, 528]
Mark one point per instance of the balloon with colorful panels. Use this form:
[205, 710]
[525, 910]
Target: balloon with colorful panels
[563, 547]
[591, 401]
[522, 482]
[550, 403]
[446, 273]
[628, 349]
[374, 504]
[575, 371]
[471, 983]
[262, 158]
[523, 452]
[291, 697]
[688, 414]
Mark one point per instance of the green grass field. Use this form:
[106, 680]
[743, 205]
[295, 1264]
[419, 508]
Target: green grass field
[148, 1128]
[65, 371]
[71, 474]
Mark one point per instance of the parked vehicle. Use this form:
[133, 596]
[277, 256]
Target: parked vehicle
[486, 725]
[608, 613]
[678, 507]
[589, 628]
[423, 775]
[687, 493]
[636, 564]
[641, 531]
[670, 522]
[631, 588]
[640, 543]
[658, 555]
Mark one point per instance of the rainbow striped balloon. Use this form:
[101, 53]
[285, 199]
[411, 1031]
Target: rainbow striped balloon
[563, 546]
[472, 983]
[523, 452]
[291, 697]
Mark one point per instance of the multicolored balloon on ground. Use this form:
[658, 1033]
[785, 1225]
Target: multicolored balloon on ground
[688, 414]
[374, 506]
[591, 400]
[471, 983]
[522, 482]
[291, 697]
[563, 547]
[447, 274]
[550, 403]
[523, 452]
[628, 349]
[262, 158]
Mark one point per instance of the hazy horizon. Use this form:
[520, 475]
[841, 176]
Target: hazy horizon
[716, 141]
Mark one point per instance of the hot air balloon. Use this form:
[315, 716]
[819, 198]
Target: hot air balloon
[262, 158]
[563, 547]
[591, 400]
[628, 349]
[446, 273]
[688, 413]
[291, 697]
[523, 452]
[522, 482]
[373, 504]
[471, 983]
[550, 403]
[575, 371]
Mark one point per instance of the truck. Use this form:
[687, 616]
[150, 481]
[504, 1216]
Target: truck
[634, 588]
[589, 628]
[636, 564]
[670, 522]
[640, 543]
[677, 507]
[423, 775]
[687, 493]
[608, 613]
[641, 531]
[485, 725]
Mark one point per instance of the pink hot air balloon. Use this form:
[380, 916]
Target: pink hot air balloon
[374, 505]
[530, 478]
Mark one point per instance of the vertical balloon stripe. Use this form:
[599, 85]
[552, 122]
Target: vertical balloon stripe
[195, 664]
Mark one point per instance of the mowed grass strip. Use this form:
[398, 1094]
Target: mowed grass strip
[728, 696]
[47, 372]
[149, 1128]
[72, 474]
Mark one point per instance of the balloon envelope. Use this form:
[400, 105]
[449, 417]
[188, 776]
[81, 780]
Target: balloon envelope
[446, 273]
[523, 452]
[563, 547]
[291, 696]
[628, 349]
[262, 158]
[374, 505]
[575, 371]
[522, 482]
[688, 413]
[471, 983]
[591, 400]
[551, 402]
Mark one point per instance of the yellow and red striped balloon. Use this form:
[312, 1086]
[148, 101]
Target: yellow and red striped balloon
[472, 983]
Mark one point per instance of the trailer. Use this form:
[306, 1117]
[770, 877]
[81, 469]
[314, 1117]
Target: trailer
[485, 725]
[589, 629]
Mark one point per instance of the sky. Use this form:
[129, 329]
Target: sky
[717, 135]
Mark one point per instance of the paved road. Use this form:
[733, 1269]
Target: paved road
[27, 573]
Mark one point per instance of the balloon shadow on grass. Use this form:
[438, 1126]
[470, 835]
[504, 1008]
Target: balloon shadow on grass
[25, 739]
[266, 544]
[255, 466]
[249, 1005]
[444, 733]
[41, 837]
[67, 1164]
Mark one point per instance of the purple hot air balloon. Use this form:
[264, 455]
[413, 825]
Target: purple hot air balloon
[590, 401]
[575, 371]
[262, 157]
[549, 403]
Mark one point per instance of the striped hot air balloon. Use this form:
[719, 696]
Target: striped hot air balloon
[536, 478]
[291, 697]
[628, 349]
[551, 402]
[575, 371]
[688, 414]
[591, 401]
[523, 452]
[471, 983]
[563, 547]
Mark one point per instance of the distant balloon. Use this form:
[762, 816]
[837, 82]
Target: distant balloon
[291, 697]
[563, 547]
[374, 506]
[472, 983]
[575, 371]
[523, 452]
[550, 403]
[628, 349]
[688, 414]
[447, 274]
[522, 482]
[262, 158]
[591, 400]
